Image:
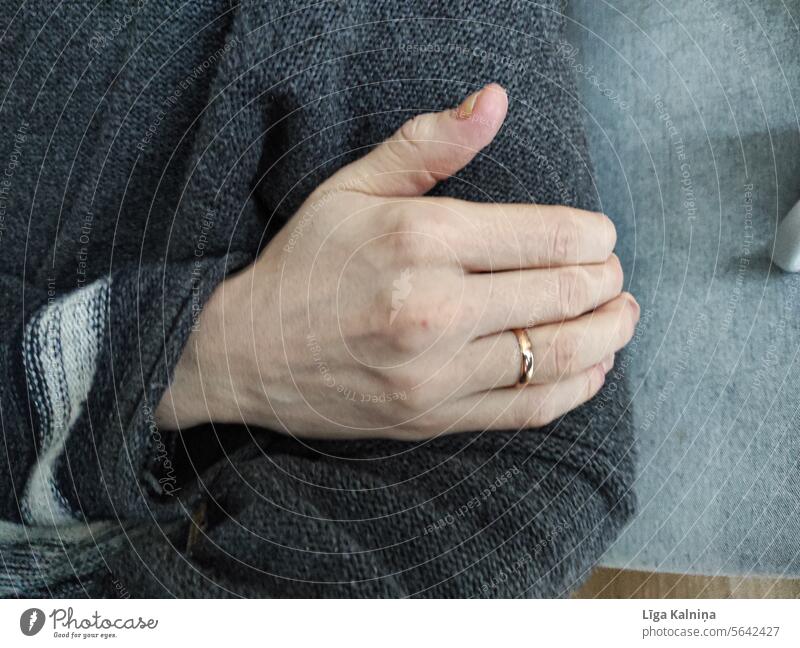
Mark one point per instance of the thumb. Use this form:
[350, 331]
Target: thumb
[429, 147]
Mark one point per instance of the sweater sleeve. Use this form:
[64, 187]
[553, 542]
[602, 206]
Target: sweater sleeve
[117, 220]
[84, 372]
[493, 514]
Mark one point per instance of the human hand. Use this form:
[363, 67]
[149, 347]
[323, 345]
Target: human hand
[380, 312]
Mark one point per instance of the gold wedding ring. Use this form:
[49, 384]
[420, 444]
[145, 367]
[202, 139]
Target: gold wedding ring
[526, 365]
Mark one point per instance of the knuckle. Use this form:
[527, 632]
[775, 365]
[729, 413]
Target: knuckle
[572, 291]
[633, 320]
[417, 327]
[636, 310]
[430, 315]
[629, 321]
[465, 314]
[430, 218]
[416, 232]
[412, 131]
[404, 241]
[564, 352]
[630, 329]
[610, 229]
[564, 241]
[407, 247]
[449, 315]
[594, 382]
[404, 218]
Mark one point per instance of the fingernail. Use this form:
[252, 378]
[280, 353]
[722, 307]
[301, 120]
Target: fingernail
[464, 111]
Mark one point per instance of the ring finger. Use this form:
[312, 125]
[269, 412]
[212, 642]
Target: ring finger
[559, 350]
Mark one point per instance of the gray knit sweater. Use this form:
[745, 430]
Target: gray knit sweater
[151, 148]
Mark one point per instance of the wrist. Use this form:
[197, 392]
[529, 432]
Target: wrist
[201, 388]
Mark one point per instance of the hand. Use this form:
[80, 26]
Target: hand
[380, 312]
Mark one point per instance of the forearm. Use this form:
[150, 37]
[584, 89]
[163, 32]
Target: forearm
[83, 381]
[200, 389]
[225, 371]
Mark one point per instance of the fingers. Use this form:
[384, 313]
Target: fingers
[428, 148]
[526, 298]
[559, 350]
[534, 406]
[487, 237]
[493, 237]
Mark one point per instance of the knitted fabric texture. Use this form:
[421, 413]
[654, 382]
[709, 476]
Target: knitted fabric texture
[159, 147]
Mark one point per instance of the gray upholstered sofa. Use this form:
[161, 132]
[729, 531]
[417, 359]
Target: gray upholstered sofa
[692, 108]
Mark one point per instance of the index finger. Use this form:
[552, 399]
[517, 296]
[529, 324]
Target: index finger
[490, 237]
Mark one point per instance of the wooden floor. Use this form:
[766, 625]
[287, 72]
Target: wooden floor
[616, 583]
